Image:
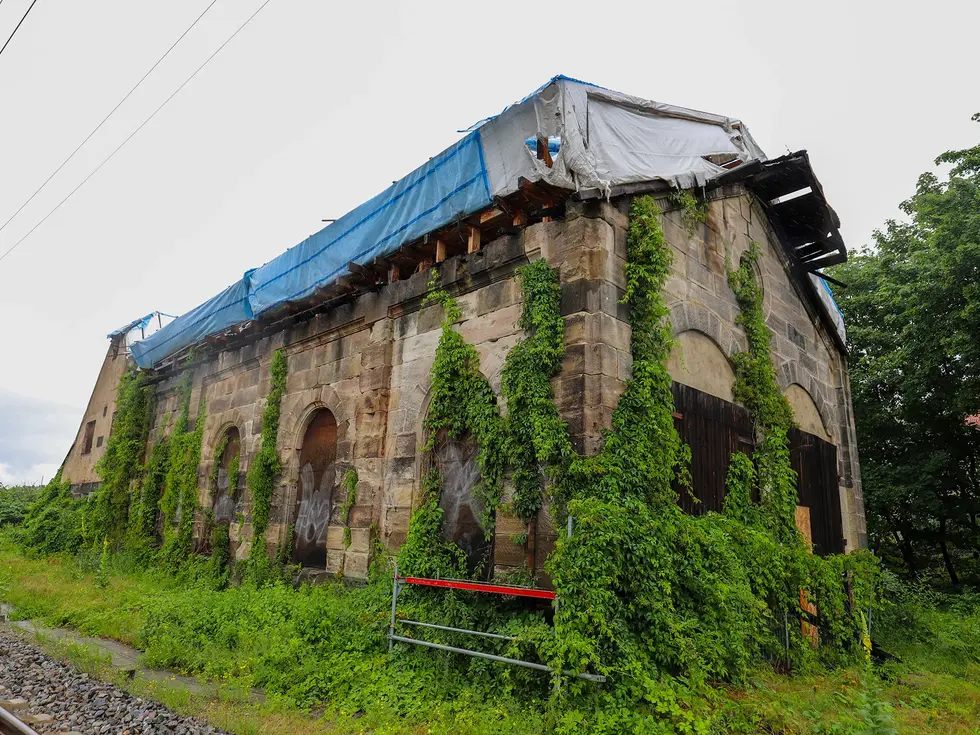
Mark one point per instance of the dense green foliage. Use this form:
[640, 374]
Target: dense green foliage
[649, 593]
[146, 503]
[179, 501]
[537, 438]
[326, 645]
[55, 520]
[264, 471]
[425, 552]
[122, 464]
[756, 389]
[658, 601]
[912, 309]
[463, 404]
[14, 502]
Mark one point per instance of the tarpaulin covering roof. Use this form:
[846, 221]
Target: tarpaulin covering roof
[606, 139]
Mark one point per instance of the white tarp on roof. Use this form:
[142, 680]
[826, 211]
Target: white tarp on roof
[608, 139]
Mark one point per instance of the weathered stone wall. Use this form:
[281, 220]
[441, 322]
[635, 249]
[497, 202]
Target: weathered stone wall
[79, 466]
[368, 362]
[809, 366]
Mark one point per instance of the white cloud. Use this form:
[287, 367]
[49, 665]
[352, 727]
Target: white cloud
[35, 435]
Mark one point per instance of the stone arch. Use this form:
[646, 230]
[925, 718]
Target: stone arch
[456, 460]
[810, 416]
[791, 371]
[698, 361]
[226, 497]
[312, 500]
[292, 433]
[691, 315]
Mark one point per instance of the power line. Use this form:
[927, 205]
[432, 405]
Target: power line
[105, 119]
[18, 27]
[141, 126]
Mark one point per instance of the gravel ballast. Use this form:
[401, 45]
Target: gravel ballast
[77, 702]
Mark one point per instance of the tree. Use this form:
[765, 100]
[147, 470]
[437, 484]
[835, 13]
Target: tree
[912, 309]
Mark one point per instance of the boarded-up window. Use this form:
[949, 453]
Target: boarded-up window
[314, 491]
[815, 463]
[228, 492]
[89, 437]
[714, 429]
[456, 461]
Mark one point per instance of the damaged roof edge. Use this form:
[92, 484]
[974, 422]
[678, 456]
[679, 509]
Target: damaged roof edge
[667, 143]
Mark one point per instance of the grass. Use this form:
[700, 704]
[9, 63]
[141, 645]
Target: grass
[319, 653]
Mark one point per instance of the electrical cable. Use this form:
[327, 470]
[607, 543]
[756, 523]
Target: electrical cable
[106, 118]
[131, 135]
[18, 27]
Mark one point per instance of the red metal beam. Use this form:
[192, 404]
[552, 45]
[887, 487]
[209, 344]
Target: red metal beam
[480, 587]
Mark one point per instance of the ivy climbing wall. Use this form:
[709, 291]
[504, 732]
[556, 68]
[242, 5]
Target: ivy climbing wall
[364, 369]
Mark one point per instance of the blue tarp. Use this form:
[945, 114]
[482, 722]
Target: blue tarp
[141, 323]
[227, 308]
[448, 187]
[451, 185]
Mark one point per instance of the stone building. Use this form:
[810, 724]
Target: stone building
[555, 175]
[97, 421]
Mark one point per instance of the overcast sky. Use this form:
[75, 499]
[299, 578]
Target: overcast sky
[317, 106]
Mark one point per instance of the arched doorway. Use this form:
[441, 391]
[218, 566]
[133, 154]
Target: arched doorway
[314, 490]
[459, 472]
[227, 492]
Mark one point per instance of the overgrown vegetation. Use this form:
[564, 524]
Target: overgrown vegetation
[265, 467]
[660, 602]
[122, 464]
[350, 485]
[654, 599]
[179, 501]
[14, 502]
[537, 439]
[463, 404]
[326, 645]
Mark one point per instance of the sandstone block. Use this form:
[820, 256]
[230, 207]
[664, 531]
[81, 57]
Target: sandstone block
[335, 561]
[356, 565]
[360, 541]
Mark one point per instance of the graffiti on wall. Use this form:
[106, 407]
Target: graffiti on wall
[460, 474]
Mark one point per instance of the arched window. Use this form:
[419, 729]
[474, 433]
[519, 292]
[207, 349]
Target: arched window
[707, 418]
[314, 490]
[229, 477]
[459, 471]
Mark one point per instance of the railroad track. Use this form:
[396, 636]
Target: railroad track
[11, 725]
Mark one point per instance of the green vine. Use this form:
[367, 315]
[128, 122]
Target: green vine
[122, 464]
[757, 390]
[425, 552]
[694, 211]
[537, 438]
[350, 483]
[146, 506]
[463, 402]
[265, 469]
[219, 452]
[179, 501]
[643, 456]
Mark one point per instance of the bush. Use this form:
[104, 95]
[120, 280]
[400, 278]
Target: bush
[14, 502]
[54, 521]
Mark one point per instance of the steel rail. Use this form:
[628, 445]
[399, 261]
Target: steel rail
[459, 630]
[10, 725]
[492, 657]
